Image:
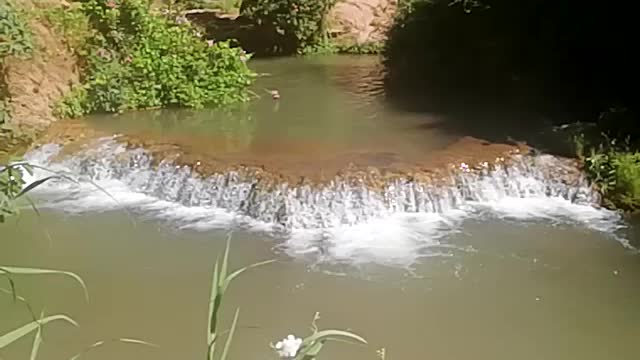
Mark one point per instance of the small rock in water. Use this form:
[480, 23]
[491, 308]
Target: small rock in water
[275, 94]
[616, 272]
[538, 298]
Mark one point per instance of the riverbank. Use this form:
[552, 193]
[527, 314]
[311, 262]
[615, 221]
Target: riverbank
[33, 81]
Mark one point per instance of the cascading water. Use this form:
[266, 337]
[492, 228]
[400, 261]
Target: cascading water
[346, 218]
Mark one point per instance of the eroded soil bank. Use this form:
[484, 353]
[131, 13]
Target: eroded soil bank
[37, 82]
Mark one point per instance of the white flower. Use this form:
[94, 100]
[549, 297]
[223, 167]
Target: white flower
[288, 347]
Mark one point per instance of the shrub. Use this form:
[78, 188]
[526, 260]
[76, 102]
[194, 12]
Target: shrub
[136, 60]
[71, 23]
[15, 40]
[15, 36]
[616, 173]
[300, 23]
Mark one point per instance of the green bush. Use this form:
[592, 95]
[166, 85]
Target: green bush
[301, 24]
[15, 40]
[137, 60]
[15, 36]
[11, 184]
[616, 172]
[71, 23]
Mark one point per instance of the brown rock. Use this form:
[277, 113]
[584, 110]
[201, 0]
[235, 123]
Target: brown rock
[361, 21]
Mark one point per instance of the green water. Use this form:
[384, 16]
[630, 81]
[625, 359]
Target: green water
[328, 108]
[547, 292]
[514, 286]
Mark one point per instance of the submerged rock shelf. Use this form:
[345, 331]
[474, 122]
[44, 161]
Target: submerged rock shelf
[354, 195]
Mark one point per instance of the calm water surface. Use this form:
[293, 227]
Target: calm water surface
[500, 285]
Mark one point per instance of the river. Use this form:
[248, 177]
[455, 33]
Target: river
[508, 261]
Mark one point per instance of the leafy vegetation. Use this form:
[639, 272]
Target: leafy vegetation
[136, 59]
[15, 36]
[613, 166]
[71, 24]
[15, 40]
[227, 6]
[300, 25]
[221, 281]
[297, 349]
[11, 189]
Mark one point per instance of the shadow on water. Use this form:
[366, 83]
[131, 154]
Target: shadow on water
[505, 69]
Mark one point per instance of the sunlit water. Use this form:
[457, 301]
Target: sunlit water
[516, 266]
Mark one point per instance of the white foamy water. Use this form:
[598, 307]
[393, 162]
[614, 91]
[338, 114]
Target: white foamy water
[341, 221]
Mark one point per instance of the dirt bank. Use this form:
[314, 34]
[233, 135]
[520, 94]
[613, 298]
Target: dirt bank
[35, 84]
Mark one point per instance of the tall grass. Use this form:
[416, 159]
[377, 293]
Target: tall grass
[307, 349]
[614, 167]
[219, 286]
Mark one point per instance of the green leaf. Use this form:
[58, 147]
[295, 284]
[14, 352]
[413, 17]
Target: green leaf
[20, 332]
[236, 273]
[34, 185]
[35, 271]
[312, 345]
[23, 300]
[339, 333]
[312, 351]
[212, 312]
[227, 344]
[97, 344]
[37, 340]
[225, 260]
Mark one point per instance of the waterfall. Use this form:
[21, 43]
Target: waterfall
[354, 217]
[342, 201]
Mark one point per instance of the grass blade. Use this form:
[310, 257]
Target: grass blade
[330, 334]
[33, 205]
[227, 344]
[35, 184]
[8, 270]
[236, 273]
[213, 317]
[20, 298]
[12, 284]
[37, 341]
[225, 260]
[22, 331]
[102, 342]
[98, 344]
